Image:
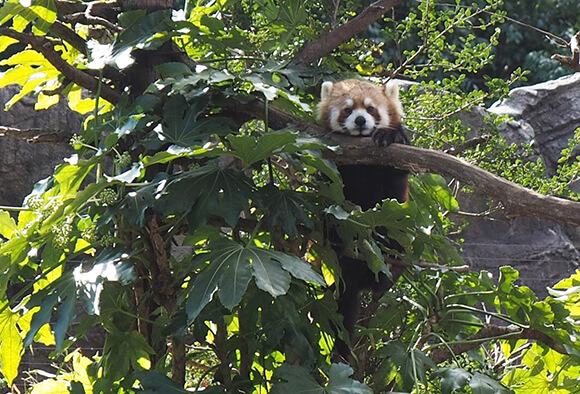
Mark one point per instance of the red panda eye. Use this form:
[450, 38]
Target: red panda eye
[347, 111]
[370, 109]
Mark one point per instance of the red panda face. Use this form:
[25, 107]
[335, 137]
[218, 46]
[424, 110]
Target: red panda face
[359, 108]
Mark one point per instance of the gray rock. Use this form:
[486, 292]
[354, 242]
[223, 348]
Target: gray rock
[546, 115]
[22, 164]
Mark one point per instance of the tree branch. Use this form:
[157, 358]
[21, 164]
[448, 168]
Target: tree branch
[314, 50]
[46, 48]
[492, 332]
[36, 135]
[516, 200]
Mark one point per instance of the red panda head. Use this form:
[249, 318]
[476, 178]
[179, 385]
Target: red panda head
[359, 108]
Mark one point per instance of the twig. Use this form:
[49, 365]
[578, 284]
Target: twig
[471, 143]
[35, 135]
[314, 50]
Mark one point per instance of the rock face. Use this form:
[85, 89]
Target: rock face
[22, 164]
[546, 114]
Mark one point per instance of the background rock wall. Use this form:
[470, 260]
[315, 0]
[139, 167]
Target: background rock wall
[546, 114]
[22, 164]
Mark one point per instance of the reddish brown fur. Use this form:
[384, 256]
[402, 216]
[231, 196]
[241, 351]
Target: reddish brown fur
[357, 91]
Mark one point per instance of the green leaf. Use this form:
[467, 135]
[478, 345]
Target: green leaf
[251, 149]
[483, 384]
[51, 386]
[30, 70]
[61, 291]
[42, 13]
[226, 260]
[452, 379]
[7, 225]
[206, 191]
[152, 382]
[11, 346]
[184, 124]
[142, 31]
[339, 381]
[124, 350]
[286, 207]
[298, 379]
[232, 265]
[135, 203]
[407, 367]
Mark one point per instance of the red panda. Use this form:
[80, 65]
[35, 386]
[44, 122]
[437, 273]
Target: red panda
[363, 109]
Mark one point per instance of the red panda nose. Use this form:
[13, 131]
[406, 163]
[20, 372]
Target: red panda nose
[360, 121]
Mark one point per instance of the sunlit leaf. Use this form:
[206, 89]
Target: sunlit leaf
[11, 346]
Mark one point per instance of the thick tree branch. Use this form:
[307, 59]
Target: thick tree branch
[314, 50]
[516, 200]
[491, 332]
[46, 48]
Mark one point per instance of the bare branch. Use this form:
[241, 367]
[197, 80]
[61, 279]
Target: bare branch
[491, 332]
[36, 135]
[314, 50]
[471, 143]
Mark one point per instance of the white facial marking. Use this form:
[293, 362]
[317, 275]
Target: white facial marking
[334, 123]
[348, 102]
[359, 129]
[368, 101]
[385, 119]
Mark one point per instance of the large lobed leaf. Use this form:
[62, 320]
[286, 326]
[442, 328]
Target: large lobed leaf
[230, 268]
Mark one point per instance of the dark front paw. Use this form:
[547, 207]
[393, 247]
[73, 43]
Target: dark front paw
[386, 137]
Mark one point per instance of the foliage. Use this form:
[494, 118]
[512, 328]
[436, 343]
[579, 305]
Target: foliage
[196, 236]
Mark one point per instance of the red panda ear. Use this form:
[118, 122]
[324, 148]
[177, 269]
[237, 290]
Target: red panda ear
[392, 90]
[326, 89]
